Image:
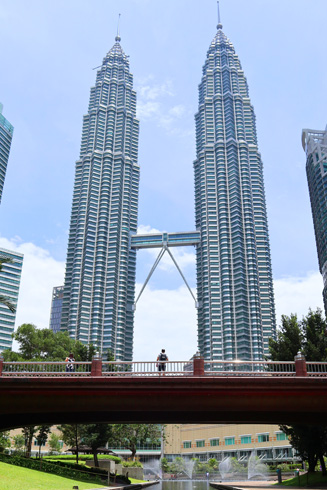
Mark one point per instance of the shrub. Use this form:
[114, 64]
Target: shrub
[132, 464]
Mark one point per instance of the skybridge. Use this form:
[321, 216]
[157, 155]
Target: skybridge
[156, 240]
[165, 241]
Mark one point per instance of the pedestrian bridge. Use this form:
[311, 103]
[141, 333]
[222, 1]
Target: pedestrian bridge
[194, 391]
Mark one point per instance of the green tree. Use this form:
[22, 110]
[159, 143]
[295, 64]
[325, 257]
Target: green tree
[289, 340]
[54, 443]
[178, 465]
[165, 466]
[130, 436]
[44, 345]
[42, 436]
[309, 337]
[95, 436]
[71, 435]
[19, 443]
[4, 440]
[28, 433]
[4, 300]
[315, 336]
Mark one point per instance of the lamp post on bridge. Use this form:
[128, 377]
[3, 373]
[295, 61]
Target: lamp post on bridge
[96, 367]
[198, 365]
[300, 365]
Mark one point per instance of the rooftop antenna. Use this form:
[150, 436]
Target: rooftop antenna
[219, 26]
[117, 38]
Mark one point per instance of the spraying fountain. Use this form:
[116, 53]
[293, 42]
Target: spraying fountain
[153, 468]
[256, 468]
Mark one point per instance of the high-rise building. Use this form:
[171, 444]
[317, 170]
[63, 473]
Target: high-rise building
[315, 146]
[100, 270]
[236, 314]
[6, 132]
[9, 287]
[56, 308]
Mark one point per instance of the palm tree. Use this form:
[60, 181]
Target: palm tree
[3, 299]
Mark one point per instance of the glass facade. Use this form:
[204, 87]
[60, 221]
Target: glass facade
[100, 269]
[236, 314]
[56, 308]
[9, 287]
[315, 145]
[6, 133]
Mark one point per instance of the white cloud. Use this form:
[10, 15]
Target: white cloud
[147, 110]
[152, 105]
[298, 294]
[153, 92]
[40, 274]
[165, 319]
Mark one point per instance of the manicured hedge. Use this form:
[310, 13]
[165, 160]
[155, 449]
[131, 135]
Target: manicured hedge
[83, 457]
[66, 471]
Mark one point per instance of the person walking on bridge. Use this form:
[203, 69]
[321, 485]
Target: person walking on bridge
[161, 361]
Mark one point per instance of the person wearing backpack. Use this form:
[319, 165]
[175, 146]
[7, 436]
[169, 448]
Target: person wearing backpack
[161, 361]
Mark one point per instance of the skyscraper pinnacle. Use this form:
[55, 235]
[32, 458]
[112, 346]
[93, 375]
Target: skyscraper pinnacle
[219, 26]
[118, 38]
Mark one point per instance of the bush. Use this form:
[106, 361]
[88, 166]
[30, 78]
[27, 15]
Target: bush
[132, 464]
[82, 457]
[284, 467]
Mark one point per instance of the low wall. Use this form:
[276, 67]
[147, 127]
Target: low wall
[136, 473]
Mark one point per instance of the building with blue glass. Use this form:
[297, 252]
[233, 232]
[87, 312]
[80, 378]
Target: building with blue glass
[9, 287]
[6, 133]
[56, 308]
[236, 314]
[314, 143]
[100, 269]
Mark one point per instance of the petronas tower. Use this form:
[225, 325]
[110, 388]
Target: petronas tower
[100, 268]
[236, 314]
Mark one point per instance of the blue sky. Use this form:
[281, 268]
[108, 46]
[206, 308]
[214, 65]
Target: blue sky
[48, 54]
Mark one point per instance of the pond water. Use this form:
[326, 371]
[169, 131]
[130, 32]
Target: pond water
[182, 485]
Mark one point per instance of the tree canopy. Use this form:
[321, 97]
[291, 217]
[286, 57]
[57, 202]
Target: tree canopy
[308, 336]
[130, 435]
[37, 344]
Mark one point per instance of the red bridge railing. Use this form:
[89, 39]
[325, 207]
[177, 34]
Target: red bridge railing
[196, 367]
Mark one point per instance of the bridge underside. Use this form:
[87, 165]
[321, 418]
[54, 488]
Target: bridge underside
[162, 400]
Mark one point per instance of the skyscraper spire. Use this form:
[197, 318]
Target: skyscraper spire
[100, 270]
[236, 314]
[219, 26]
[118, 38]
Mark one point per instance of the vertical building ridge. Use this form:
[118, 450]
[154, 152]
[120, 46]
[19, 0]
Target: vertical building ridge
[236, 314]
[100, 269]
[314, 143]
[6, 134]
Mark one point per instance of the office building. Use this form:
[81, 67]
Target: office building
[236, 314]
[315, 146]
[56, 308]
[9, 288]
[6, 133]
[100, 269]
[268, 443]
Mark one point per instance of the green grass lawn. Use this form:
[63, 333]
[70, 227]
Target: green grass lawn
[307, 480]
[18, 478]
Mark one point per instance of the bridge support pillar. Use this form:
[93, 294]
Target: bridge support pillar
[198, 366]
[1, 364]
[300, 365]
[96, 367]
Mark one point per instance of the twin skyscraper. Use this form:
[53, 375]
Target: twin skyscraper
[235, 301]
